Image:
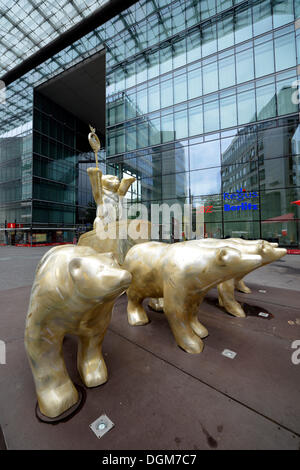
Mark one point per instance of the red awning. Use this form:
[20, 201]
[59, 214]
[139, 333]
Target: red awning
[280, 218]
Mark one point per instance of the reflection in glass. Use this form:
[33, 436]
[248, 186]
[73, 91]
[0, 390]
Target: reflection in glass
[264, 59]
[282, 12]
[194, 81]
[167, 128]
[181, 124]
[196, 120]
[179, 53]
[205, 155]
[227, 72]
[247, 230]
[154, 131]
[228, 111]
[211, 116]
[225, 32]
[153, 98]
[284, 98]
[243, 24]
[166, 93]
[205, 181]
[194, 46]
[209, 39]
[165, 57]
[285, 52]
[262, 17]
[246, 107]
[210, 77]
[142, 101]
[266, 102]
[180, 88]
[244, 66]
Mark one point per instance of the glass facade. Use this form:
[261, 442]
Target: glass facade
[201, 103]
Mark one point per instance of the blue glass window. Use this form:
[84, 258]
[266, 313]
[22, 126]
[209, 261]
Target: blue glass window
[243, 24]
[141, 70]
[196, 120]
[210, 77]
[227, 72]
[142, 134]
[205, 155]
[194, 83]
[179, 53]
[142, 101]
[153, 98]
[153, 65]
[264, 59]
[166, 93]
[282, 12]
[211, 116]
[208, 8]
[266, 102]
[205, 181]
[154, 131]
[194, 46]
[228, 111]
[181, 124]
[167, 128]
[223, 5]
[262, 17]
[284, 97]
[180, 88]
[209, 40]
[244, 66]
[165, 58]
[131, 137]
[285, 52]
[225, 32]
[246, 107]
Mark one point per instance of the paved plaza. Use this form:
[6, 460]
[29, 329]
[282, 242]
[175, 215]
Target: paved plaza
[158, 396]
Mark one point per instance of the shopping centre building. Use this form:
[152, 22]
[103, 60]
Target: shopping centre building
[196, 99]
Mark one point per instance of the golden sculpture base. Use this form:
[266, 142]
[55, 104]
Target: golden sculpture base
[68, 414]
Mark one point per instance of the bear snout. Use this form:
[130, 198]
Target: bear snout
[117, 278]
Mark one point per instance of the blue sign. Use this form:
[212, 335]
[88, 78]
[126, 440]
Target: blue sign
[240, 195]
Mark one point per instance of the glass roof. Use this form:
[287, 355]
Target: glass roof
[28, 25]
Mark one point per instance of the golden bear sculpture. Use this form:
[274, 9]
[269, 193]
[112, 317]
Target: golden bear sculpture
[269, 252]
[108, 192]
[181, 273]
[73, 292]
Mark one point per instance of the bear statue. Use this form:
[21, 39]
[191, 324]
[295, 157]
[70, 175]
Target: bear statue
[109, 192]
[180, 273]
[269, 253]
[74, 291]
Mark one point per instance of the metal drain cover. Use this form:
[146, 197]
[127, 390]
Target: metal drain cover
[101, 426]
[228, 353]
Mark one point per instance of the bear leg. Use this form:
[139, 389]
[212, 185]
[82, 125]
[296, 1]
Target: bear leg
[54, 388]
[227, 300]
[241, 286]
[178, 314]
[90, 361]
[198, 328]
[135, 312]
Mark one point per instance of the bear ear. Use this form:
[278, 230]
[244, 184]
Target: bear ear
[222, 256]
[75, 269]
